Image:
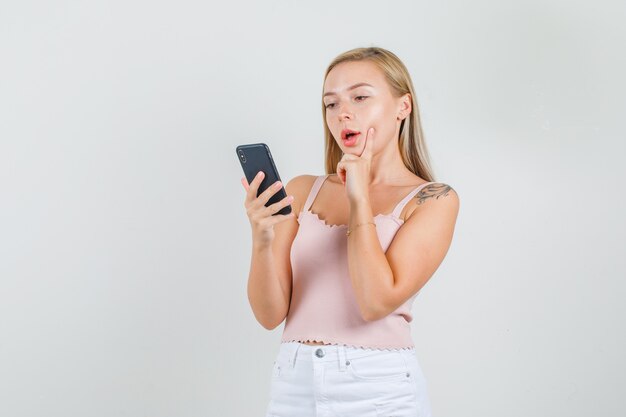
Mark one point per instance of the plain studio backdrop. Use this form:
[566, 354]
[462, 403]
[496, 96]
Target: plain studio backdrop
[124, 243]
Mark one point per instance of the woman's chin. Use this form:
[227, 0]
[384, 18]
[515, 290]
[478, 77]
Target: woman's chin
[354, 150]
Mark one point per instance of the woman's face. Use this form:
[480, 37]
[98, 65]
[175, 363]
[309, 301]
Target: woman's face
[357, 97]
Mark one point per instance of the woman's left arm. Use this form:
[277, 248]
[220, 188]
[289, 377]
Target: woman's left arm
[384, 281]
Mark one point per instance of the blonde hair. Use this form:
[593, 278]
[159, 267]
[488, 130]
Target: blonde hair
[411, 138]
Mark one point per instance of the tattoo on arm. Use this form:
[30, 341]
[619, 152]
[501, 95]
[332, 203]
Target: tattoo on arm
[433, 190]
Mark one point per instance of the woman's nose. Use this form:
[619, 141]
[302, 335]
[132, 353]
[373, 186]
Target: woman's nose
[344, 113]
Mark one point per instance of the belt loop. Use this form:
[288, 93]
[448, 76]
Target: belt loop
[342, 358]
[294, 355]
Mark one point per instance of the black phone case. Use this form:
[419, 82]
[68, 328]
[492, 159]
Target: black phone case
[257, 157]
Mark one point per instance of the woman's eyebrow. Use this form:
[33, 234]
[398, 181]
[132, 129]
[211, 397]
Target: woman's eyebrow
[330, 93]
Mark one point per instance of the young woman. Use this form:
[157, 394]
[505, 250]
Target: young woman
[345, 266]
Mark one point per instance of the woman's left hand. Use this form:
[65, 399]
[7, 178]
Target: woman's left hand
[354, 171]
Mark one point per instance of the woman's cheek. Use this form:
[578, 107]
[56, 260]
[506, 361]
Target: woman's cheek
[376, 119]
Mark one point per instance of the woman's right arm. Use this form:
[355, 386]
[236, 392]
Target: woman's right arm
[269, 281]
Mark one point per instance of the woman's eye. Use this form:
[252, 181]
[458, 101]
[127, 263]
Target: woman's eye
[331, 105]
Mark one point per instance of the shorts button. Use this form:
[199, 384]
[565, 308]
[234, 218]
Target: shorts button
[319, 353]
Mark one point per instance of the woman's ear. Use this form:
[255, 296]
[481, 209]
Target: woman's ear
[405, 106]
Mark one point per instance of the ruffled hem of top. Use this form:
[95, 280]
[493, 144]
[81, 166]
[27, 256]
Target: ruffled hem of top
[317, 219]
[331, 341]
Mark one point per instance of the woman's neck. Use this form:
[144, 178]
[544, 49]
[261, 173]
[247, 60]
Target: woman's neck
[387, 168]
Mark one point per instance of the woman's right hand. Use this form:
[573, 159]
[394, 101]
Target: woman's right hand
[262, 219]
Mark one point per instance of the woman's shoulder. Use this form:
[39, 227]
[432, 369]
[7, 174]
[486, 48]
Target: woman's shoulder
[299, 187]
[430, 187]
[307, 180]
[300, 181]
[433, 196]
[436, 189]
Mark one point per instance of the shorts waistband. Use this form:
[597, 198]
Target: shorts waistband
[329, 353]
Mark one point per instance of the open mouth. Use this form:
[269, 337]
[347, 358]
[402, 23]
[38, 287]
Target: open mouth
[350, 138]
[349, 134]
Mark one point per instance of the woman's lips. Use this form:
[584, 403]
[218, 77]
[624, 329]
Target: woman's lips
[351, 140]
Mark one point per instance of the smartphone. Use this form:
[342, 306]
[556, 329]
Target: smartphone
[257, 157]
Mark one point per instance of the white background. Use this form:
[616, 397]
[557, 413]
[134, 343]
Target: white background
[124, 244]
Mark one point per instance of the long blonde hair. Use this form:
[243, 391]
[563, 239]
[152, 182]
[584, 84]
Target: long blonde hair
[411, 138]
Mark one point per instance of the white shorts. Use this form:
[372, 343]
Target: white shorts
[343, 381]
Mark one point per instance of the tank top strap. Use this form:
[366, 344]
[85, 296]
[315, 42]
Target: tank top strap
[317, 184]
[398, 209]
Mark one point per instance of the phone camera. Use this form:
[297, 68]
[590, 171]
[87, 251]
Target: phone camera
[242, 156]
